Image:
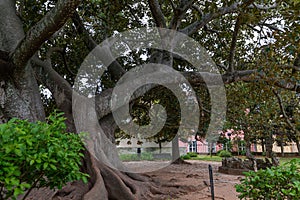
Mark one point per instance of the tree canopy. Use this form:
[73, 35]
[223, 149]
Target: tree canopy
[254, 44]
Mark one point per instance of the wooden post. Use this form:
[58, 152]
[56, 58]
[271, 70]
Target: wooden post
[212, 190]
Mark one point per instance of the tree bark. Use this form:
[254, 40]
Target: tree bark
[281, 145]
[175, 148]
[269, 145]
[298, 145]
[19, 92]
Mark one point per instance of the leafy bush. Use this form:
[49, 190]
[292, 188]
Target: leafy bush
[35, 155]
[243, 152]
[282, 182]
[185, 157]
[192, 154]
[224, 153]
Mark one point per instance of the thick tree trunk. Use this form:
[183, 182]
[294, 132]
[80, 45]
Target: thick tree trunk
[19, 92]
[20, 97]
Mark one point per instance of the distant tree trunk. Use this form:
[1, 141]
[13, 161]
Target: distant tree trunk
[211, 148]
[248, 150]
[298, 145]
[281, 145]
[175, 148]
[263, 145]
[269, 145]
[159, 143]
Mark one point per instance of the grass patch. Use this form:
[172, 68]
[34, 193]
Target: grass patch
[135, 157]
[207, 158]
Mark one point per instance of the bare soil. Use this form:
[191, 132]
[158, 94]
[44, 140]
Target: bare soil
[177, 182]
[193, 182]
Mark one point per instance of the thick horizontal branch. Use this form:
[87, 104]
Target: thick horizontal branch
[40, 32]
[196, 80]
[263, 7]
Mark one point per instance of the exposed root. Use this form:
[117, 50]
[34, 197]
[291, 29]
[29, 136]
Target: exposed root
[179, 161]
[107, 183]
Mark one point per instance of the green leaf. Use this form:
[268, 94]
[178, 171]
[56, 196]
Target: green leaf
[53, 167]
[31, 162]
[45, 165]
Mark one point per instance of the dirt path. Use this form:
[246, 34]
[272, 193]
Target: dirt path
[193, 181]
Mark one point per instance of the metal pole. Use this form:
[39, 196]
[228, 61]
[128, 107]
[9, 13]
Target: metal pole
[212, 190]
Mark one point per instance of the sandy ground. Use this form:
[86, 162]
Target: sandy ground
[194, 180]
[191, 181]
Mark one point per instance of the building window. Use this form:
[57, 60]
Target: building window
[193, 146]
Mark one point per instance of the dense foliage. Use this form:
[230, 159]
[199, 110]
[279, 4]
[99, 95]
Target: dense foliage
[282, 182]
[40, 154]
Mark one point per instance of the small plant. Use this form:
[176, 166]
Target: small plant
[35, 155]
[192, 154]
[282, 182]
[224, 153]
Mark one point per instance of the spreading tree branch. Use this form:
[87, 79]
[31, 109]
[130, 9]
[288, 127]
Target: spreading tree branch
[206, 18]
[115, 69]
[157, 13]
[233, 44]
[286, 117]
[40, 32]
[179, 13]
[58, 86]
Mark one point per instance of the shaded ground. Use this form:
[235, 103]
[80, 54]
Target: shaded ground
[192, 180]
[177, 181]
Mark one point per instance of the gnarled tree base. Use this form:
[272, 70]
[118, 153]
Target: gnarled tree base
[108, 183]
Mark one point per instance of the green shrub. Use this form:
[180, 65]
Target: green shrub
[224, 153]
[282, 182]
[186, 157]
[192, 154]
[35, 155]
[243, 152]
